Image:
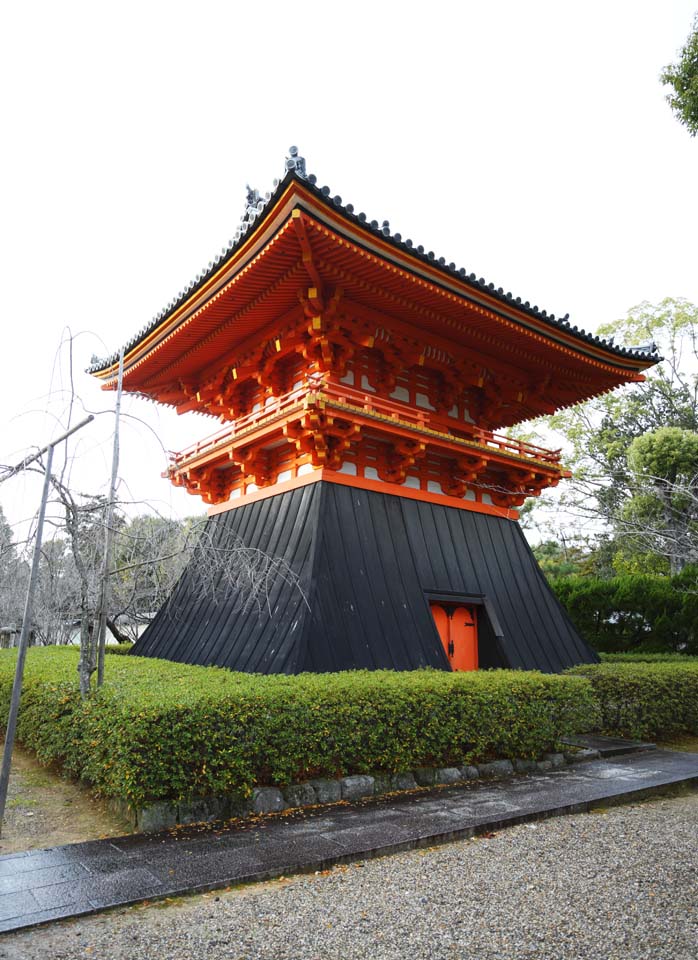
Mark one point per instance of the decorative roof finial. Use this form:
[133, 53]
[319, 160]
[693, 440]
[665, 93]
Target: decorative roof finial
[295, 162]
[251, 202]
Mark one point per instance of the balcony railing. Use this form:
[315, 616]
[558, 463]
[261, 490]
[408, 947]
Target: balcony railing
[315, 393]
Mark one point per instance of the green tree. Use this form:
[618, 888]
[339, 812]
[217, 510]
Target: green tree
[615, 494]
[560, 559]
[682, 77]
[664, 507]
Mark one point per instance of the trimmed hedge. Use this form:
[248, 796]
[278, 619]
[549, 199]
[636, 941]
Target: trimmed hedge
[121, 649]
[638, 657]
[637, 611]
[161, 731]
[645, 700]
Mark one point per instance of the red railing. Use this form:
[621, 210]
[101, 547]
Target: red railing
[315, 392]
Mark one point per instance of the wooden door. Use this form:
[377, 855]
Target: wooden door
[464, 638]
[457, 627]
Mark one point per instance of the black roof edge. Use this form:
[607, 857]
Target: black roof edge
[645, 352]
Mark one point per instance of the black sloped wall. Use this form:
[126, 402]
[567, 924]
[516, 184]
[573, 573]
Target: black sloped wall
[367, 563]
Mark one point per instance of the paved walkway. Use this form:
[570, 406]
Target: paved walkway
[43, 885]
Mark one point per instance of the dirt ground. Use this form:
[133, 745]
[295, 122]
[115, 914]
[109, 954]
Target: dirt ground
[45, 810]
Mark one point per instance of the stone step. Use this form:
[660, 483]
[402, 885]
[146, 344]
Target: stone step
[608, 746]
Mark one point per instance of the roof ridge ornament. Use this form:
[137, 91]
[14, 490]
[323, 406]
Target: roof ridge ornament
[253, 203]
[650, 347]
[294, 161]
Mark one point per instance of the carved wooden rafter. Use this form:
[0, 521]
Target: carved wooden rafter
[322, 437]
[212, 483]
[399, 457]
[462, 473]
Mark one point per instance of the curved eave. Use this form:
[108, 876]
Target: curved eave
[442, 281]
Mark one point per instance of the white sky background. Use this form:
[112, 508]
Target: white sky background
[527, 141]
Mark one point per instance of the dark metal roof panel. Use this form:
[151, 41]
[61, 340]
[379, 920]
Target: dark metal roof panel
[368, 563]
[194, 628]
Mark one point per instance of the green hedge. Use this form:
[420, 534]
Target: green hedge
[164, 731]
[639, 657]
[649, 613]
[120, 649]
[645, 700]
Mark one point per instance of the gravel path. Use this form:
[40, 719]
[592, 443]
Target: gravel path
[612, 885]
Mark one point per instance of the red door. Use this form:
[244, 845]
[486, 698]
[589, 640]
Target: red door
[458, 631]
[464, 637]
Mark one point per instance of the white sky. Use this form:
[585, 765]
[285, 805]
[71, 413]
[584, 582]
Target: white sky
[527, 141]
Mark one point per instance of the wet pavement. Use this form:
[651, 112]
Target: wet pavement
[43, 885]
[609, 746]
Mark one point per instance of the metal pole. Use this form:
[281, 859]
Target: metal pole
[23, 464]
[26, 622]
[108, 533]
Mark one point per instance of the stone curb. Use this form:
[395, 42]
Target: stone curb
[264, 800]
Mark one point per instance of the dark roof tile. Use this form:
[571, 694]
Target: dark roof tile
[253, 212]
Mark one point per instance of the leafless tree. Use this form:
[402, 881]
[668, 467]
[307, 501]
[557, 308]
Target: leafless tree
[221, 571]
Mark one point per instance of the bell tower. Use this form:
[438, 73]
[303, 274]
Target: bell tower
[362, 388]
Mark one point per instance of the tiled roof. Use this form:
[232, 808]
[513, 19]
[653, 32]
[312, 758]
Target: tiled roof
[295, 169]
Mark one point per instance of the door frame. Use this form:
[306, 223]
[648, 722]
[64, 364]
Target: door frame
[480, 600]
[467, 599]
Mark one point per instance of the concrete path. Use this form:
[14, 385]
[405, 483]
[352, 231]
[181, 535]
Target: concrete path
[61, 882]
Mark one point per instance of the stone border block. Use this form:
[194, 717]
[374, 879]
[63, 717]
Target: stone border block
[469, 772]
[525, 766]
[300, 795]
[156, 816]
[268, 800]
[327, 791]
[497, 768]
[447, 775]
[356, 787]
[425, 776]
[557, 759]
[403, 781]
[382, 783]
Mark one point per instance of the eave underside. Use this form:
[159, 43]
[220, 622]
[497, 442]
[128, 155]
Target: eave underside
[306, 266]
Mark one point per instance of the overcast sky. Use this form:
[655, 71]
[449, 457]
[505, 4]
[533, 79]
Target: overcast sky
[527, 141]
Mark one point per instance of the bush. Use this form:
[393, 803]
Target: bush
[166, 731]
[118, 648]
[639, 657]
[634, 612]
[645, 700]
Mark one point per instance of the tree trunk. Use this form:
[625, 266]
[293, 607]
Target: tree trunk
[120, 636]
[86, 664]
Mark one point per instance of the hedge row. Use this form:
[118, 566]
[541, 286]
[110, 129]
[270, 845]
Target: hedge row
[639, 657]
[645, 700]
[650, 613]
[121, 649]
[160, 731]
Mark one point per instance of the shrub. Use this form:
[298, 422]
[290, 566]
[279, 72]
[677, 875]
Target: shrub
[645, 700]
[639, 657]
[634, 612]
[165, 731]
[120, 649]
